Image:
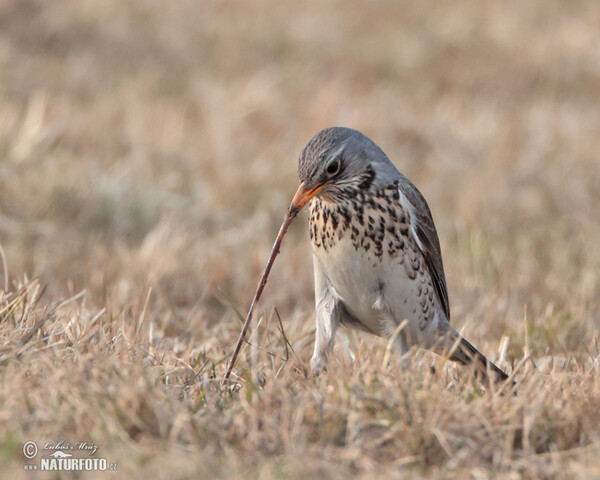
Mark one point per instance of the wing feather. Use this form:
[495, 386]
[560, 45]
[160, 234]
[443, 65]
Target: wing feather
[428, 241]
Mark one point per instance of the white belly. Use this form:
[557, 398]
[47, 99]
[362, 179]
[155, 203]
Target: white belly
[378, 292]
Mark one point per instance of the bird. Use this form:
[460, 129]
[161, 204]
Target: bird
[376, 254]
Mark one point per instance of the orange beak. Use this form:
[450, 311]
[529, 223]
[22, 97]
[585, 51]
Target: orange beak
[303, 196]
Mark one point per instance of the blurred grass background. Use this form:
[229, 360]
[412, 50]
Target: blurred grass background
[147, 155]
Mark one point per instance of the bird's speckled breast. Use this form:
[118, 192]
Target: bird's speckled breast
[363, 241]
[374, 221]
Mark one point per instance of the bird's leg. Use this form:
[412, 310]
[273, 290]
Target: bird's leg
[327, 323]
[397, 333]
[402, 347]
[327, 319]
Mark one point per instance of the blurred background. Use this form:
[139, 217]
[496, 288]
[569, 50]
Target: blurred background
[148, 153]
[150, 143]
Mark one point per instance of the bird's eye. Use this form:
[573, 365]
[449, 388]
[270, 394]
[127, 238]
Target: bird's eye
[333, 167]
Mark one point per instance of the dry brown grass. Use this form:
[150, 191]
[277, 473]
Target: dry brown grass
[147, 155]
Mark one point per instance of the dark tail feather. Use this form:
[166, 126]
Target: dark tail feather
[465, 354]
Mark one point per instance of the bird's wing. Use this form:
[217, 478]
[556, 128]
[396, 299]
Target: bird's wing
[427, 239]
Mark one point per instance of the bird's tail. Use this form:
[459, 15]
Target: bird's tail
[466, 354]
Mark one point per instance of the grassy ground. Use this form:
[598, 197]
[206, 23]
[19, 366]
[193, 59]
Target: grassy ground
[147, 155]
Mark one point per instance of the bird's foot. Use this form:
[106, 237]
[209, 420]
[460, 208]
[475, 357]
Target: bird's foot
[316, 365]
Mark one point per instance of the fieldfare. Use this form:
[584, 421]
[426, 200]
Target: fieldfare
[376, 253]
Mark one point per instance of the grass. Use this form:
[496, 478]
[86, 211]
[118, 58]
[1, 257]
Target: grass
[147, 155]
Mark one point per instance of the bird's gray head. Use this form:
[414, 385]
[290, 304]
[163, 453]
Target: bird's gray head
[338, 160]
